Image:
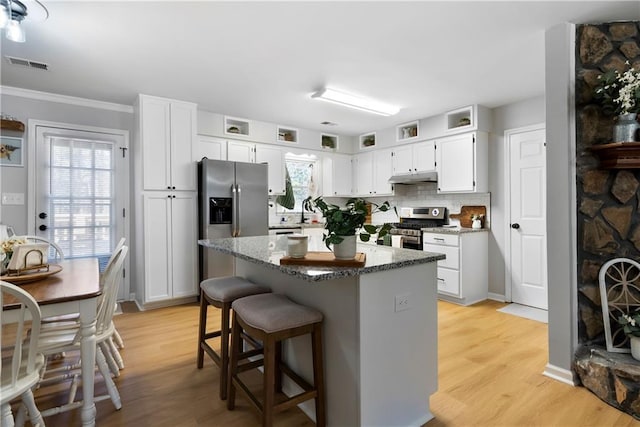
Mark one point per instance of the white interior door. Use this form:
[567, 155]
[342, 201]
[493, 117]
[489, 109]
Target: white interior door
[81, 196]
[528, 218]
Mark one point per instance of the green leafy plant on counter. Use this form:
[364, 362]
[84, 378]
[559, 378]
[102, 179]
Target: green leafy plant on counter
[348, 220]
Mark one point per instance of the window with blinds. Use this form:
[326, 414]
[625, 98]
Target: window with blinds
[81, 198]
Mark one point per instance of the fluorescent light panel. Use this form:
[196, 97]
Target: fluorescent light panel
[357, 102]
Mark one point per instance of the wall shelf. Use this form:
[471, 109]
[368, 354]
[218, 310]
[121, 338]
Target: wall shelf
[368, 140]
[329, 142]
[12, 125]
[235, 126]
[286, 134]
[618, 155]
[407, 132]
[460, 119]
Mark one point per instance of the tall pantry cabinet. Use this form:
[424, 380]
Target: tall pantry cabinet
[165, 201]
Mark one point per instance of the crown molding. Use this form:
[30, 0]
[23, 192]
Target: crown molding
[64, 99]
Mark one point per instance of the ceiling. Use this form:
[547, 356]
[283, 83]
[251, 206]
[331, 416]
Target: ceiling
[262, 60]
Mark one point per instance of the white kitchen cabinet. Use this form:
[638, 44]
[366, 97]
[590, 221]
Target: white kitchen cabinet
[414, 158]
[167, 132]
[363, 165]
[238, 151]
[463, 275]
[170, 253]
[210, 147]
[462, 163]
[382, 171]
[274, 158]
[372, 171]
[337, 175]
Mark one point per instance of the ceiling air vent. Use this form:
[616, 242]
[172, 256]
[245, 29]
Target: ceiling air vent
[27, 63]
[328, 123]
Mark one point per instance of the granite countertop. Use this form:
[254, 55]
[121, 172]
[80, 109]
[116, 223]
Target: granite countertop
[267, 251]
[453, 230]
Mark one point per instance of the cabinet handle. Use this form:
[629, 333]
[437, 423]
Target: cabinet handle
[173, 197]
[169, 196]
[168, 187]
[173, 188]
[270, 191]
[438, 239]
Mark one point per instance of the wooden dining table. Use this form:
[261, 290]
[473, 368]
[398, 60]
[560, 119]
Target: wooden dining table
[75, 289]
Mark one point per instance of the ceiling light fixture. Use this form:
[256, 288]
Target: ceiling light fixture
[13, 12]
[357, 102]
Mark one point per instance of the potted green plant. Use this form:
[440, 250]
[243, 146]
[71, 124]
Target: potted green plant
[631, 327]
[342, 224]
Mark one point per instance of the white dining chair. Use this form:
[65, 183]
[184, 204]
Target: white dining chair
[57, 338]
[20, 370]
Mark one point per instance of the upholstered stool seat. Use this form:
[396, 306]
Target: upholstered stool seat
[272, 318]
[221, 292]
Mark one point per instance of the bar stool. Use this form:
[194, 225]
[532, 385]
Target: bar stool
[272, 318]
[220, 292]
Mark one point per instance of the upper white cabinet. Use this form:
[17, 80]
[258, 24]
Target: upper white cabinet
[414, 158]
[336, 175]
[274, 158]
[372, 172]
[210, 147]
[462, 163]
[382, 171]
[248, 152]
[167, 134]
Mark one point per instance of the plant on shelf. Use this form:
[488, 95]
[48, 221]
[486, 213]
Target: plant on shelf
[347, 221]
[619, 93]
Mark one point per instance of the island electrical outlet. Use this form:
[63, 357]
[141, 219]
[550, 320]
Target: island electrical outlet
[403, 302]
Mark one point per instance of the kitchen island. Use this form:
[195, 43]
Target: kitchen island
[380, 326]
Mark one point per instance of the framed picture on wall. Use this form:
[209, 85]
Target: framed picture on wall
[11, 151]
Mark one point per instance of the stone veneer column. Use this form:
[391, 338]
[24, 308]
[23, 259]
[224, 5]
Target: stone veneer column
[607, 200]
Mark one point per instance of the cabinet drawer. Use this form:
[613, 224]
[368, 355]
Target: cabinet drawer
[440, 238]
[448, 281]
[452, 253]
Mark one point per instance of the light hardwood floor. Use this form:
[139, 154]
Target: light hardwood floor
[490, 374]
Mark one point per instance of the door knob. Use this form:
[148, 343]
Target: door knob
[43, 227]
[42, 215]
[515, 226]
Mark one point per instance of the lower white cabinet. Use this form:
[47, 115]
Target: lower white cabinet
[463, 275]
[170, 248]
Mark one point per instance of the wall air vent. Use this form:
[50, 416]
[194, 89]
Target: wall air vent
[27, 63]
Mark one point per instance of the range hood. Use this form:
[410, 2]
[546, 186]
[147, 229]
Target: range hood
[414, 178]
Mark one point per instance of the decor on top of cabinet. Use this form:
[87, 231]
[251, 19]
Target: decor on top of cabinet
[8, 122]
[368, 140]
[329, 142]
[459, 119]
[342, 224]
[287, 134]
[619, 95]
[631, 326]
[407, 131]
[236, 126]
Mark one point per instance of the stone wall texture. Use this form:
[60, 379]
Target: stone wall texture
[608, 202]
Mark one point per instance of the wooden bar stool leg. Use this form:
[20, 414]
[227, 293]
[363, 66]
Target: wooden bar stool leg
[224, 349]
[202, 328]
[269, 381]
[278, 371]
[318, 375]
[233, 363]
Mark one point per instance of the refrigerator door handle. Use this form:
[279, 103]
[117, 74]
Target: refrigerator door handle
[238, 225]
[234, 208]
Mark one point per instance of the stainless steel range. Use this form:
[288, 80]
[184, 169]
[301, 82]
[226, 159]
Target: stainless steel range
[410, 228]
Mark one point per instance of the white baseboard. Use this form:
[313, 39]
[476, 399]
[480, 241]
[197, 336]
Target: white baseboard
[496, 297]
[559, 374]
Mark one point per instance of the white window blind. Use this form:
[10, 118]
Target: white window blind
[81, 196]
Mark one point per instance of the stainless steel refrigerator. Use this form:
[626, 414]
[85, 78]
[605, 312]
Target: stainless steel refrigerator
[232, 202]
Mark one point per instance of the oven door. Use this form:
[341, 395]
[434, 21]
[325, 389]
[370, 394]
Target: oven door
[412, 242]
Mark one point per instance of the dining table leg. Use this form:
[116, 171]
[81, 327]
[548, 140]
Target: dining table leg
[88, 309]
